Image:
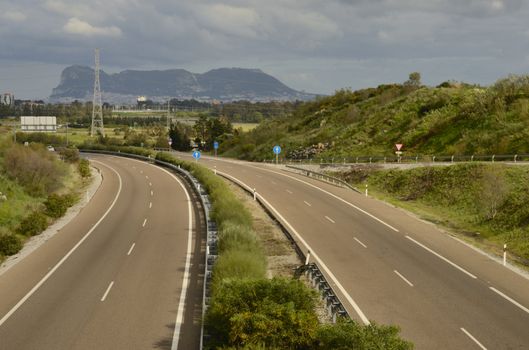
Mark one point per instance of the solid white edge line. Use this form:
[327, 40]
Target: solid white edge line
[307, 203]
[357, 240]
[330, 194]
[473, 339]
[47, 276]
[107, 291]
[144, 222]
[403, 278]
[331, 220]
[510, 299]
[315, 256]
[441, 257]
[131, 248]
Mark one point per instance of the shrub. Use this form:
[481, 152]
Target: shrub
[9, 244]
[33, 224]
[57, 205]
[239, 264]
[348, 334]
[275, 313]
[70, 155]
[84, 167]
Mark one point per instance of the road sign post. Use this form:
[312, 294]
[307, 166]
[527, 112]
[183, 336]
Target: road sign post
[277, 150]
[215, 147]
[398, 146]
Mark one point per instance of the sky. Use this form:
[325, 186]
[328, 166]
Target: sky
[317, 46]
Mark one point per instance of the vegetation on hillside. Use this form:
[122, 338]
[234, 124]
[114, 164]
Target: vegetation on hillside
[452, 118]
[487, 198]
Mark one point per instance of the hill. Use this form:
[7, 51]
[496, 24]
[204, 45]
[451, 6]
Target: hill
[449, 119]
[225, 84]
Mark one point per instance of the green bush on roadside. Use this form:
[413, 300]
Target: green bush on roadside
[84, 167]
[57, 205]
[33, 224]
[9, 243]
[69, 155]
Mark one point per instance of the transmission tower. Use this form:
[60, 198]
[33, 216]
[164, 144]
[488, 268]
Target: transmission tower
[97, 108]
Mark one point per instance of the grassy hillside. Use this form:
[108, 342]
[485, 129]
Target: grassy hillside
[468, 198]
[449, 119]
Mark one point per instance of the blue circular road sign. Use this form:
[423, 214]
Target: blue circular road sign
[196, 154]
[215, 145]
[277, 149]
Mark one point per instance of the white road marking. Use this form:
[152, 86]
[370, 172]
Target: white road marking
[259, 176]
[147, 177]
[358, 241]
[473, 339]
[441, 257]
[307, 203]
[403, 278]
[510, 299]
[332, 195]
[48, 275]
[273, 182]
[331, 220]
[315, 256]
[144, 222]
[141, 171]
[150, 205]
[150, 183]
[288, 191]
[107, 291]
[152, 193]
[131, 248]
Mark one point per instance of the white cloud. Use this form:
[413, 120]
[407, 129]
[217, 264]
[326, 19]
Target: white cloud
[76, 26]
[14, 16]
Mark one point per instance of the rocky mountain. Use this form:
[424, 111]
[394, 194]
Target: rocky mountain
[224, 84]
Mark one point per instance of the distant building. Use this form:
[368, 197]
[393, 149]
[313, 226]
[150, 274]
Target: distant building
[7, 99]
[40, 124]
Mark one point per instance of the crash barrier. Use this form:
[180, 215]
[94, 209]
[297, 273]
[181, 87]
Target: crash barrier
[319, 176]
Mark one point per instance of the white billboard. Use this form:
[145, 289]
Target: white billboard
[42, 123]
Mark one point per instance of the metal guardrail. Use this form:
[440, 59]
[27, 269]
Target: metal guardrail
[211, 227]
[324, 177]
[334, 306]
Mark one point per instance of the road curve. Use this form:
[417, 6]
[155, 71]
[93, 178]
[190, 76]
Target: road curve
[397, 269]
[114, 277]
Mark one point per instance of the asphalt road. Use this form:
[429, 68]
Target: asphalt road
[123, 274]
[391, 268]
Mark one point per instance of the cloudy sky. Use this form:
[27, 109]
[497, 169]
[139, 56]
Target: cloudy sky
[313, 45]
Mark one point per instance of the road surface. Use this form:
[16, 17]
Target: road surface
[391, 268]
[118, 275]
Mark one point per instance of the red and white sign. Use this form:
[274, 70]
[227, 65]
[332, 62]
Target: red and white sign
[399, 146]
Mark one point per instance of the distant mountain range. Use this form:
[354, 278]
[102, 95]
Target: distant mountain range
[224, 84]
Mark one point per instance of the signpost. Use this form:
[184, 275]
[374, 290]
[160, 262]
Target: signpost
[398, 146]
[277, 150]
[196, 155]
[215, 147]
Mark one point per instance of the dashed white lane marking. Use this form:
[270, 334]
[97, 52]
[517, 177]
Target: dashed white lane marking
[359, 242]
[150, 205]
[259, 176]
[131, 248]
[289, 192]
[307, 203]
[141, 171]
[147, 177]
[331, 220]
[441, 257]
[152, 193]
[273, 182]
[150, 184]
[107, 291]
[509, 299]
[144, 222]
[403, 278]
[473, 339]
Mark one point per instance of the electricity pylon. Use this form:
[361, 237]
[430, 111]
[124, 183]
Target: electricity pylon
[97, 107]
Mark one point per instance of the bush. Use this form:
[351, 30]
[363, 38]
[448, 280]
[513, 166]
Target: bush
[57, 205]
[9, 244]
[33, 224]
[84, 167]
[277, 313]
[348, 334]
[69, 155]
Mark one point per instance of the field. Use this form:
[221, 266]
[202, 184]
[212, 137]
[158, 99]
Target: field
[245, 126]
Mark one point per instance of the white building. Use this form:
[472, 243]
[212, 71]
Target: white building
[42, 123]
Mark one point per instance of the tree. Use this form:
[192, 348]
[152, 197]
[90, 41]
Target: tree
[414, 80]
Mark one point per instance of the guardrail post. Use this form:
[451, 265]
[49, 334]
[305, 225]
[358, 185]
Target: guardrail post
[416, 159]
[344, 161]
[504, 254]
[452, 160]
[515, 156]
[370, 159]
[215, 169]
[254, 195]
[433, 159]
[307, 258]
[472, 158]
[366, 190]
[493, 156]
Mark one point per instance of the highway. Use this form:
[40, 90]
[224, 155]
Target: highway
[123, 274]
[392, 268]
